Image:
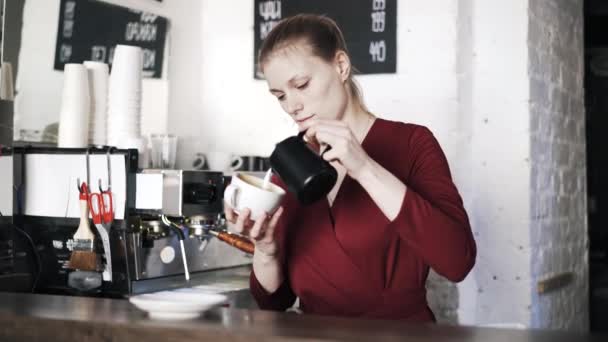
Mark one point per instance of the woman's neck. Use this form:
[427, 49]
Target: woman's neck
[359, 120]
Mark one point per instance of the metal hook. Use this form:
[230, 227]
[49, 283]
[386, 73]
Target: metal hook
[109, 163]
[88, 167]
[82, 188]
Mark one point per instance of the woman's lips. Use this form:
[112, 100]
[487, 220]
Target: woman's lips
[302, 120]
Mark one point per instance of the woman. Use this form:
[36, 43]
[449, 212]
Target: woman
[393, 213]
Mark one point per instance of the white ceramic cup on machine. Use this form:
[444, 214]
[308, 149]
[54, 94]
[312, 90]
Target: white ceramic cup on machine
[247, 191]
[223, 161]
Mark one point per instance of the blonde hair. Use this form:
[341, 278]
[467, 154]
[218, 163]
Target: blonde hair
[323, 36]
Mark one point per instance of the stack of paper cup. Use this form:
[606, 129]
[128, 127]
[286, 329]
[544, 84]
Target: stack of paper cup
[75, 107]
[124, 98]
[98, 89]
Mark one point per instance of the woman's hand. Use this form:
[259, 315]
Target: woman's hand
[344, 145]
[260, 231]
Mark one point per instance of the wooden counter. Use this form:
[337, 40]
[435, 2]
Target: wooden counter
[25, 317]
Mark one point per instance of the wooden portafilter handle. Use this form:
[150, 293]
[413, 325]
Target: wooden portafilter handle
[236, 241]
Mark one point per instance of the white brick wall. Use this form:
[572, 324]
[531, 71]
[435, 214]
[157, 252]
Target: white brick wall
[443, 298]
[558, 229]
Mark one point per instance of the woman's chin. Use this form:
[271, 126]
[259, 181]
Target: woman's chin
[301, 125]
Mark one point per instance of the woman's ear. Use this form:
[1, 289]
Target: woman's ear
[342, 64]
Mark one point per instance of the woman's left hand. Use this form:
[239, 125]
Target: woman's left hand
[345, 148]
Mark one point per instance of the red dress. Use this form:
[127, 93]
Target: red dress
[351, 260]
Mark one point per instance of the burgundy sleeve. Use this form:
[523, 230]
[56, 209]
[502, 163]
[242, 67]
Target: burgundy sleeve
[280, 300]
[432, 219]
[283, 298]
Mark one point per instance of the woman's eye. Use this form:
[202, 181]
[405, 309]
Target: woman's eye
[303, 85]
[281, 97]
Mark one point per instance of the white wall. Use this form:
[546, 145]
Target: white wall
[236, 113]
[467, 289]
[500, 165]
[224, 108]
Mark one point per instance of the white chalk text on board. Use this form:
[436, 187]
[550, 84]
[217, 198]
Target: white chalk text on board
[369, 27]
[91, 29]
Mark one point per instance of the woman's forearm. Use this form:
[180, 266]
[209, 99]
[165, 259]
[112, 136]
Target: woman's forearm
[268, 271]
[386, 190]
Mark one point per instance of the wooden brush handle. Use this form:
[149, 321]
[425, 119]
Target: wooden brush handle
[236, 241]
[84, 212]
[84, 229]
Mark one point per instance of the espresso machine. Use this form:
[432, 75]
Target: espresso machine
[168, 228]
[181, 226]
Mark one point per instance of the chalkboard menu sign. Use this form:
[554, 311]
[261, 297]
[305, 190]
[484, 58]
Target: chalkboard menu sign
[91, 29]
[369, 28]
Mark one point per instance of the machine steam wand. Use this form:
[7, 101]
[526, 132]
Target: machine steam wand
[181, 236]
[236, 241]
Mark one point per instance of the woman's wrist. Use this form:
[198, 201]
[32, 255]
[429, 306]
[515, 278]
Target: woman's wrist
[365, 172]
[268, 271]
[265, 258]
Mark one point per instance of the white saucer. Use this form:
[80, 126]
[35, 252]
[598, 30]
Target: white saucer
[173, 316]
[175, 305]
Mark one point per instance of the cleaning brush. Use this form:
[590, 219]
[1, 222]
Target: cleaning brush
[83, 256]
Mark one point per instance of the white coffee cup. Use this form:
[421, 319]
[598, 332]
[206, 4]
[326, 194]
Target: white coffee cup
[246, 191]
[223, 161]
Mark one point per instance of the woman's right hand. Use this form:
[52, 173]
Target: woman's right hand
[260, 231]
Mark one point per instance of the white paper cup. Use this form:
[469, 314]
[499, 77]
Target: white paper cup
[127, 65]
[98, 88]
[75, 82]
[75, 107]
[73, 129]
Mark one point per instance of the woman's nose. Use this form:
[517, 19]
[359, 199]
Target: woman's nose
[294, 106]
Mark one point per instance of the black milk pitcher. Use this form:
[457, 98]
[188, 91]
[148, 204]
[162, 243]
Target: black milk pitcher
[307, 175]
